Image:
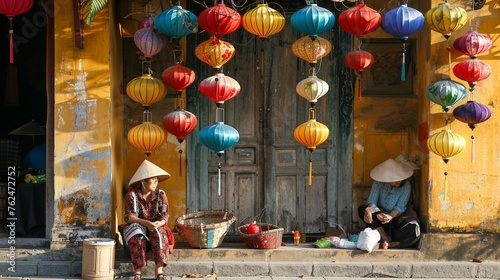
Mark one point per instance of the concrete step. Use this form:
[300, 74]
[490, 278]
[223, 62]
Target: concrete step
[235, 260]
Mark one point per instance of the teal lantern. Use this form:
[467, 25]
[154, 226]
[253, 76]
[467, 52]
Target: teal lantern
[312, 20]
[176, 22]
[219, 137]
[446, 93]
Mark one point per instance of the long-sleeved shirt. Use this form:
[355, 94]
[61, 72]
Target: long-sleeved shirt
[388, 201]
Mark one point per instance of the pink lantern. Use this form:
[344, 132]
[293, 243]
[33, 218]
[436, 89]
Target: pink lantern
[219, 88]
[149, 42]
[472, 43]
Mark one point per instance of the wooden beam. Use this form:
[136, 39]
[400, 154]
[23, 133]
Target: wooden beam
[78, 23]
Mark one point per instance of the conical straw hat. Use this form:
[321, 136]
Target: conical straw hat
[147, 170]
[391, 171]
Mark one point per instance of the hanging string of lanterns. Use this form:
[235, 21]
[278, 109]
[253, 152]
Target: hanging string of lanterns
[472, 70]
[312, 20]
[359, 21]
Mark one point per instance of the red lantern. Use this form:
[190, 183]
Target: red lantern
[358, 61]
[472, 71]
[180, 123]
[219, 88]
[219, 20]
[12, 8]
[178, 77]
[360, 20]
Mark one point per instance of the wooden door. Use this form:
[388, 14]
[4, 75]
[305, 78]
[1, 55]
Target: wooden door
[268, 168]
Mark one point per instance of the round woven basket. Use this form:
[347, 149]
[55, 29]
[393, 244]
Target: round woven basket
[270, 236]
[205, 229]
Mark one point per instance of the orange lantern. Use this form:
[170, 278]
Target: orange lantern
[146, 136]
[146, 90]
[311, 134]
[311, 50]
[215, 52]
[178, 77]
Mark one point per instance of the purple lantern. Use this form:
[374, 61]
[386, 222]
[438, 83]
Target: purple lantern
[472, 44]
[472, 113]
[149, 42]
[401, 22]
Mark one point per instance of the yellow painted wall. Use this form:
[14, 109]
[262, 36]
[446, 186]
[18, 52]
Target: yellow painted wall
[82, 136]
[473, 196]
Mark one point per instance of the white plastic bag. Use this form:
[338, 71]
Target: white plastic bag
[368, 239]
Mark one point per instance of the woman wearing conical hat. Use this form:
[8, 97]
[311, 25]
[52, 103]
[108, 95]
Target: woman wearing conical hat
[388, 198]
[146, 213]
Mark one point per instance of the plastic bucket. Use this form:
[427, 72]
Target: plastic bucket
[98, 258]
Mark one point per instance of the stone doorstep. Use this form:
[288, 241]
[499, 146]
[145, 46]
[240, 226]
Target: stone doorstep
[398, 269]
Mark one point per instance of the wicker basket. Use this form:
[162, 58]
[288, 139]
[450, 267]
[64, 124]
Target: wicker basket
[270, 236]
[205, 229]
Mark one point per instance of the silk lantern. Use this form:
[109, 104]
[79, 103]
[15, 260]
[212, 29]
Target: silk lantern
[446, 144]
[219, 20]
[263, 21]
[472, 43]
[472, 71]
[312, 20]
[360, 20]
[311, 50]
[311, 134]
[219, 88]
[214, 52]
[146, 90]
[359, 60]
[446, 93]
[146, 136]
[401, 22]
[180, 123]
[472, 113]
[312, 88]
[176, 22]
[218, 138]
[178, 77]
[148, 22]
[12, 8]
[446, 19]
[149, 42]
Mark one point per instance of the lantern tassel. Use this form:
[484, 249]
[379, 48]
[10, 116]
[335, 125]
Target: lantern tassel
[359, 86]
[309, 180]
[180, 163]
[11, 42]
[403, 64]
[472, 149]
[445, 185]
[219, 191]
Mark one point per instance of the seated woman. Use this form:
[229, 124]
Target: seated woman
[146, 213]
[388, 200]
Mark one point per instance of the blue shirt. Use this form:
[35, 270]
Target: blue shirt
[388, 201]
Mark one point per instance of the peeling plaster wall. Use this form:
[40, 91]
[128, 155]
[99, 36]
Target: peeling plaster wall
[82, 124]
[472, 202]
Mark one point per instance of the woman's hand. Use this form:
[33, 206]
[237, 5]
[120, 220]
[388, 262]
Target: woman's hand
[384, 218]
[368, 216]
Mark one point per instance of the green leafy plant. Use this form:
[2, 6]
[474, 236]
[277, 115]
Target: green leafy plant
[90, 8]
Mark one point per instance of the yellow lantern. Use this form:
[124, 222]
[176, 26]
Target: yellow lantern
[263, 21]
[146, 136]
[146, 90]
[311, 50]
[215, 52]
[311, 134]
[446, 144]
[446, 19]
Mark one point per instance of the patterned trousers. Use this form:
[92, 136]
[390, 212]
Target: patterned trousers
[159, 246]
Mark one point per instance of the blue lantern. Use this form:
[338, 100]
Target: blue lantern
[176, 22]
[446, 93]
[219, 137]
[401, 22]
[312, 20]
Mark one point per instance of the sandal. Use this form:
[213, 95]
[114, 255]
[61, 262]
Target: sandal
[135, 276]
[162, 276]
